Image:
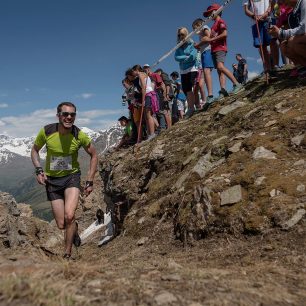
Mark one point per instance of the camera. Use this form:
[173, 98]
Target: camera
[124, 99]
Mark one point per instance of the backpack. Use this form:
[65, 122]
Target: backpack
[294, 18]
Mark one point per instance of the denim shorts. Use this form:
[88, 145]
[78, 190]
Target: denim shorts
[206, 59]
[265, 38]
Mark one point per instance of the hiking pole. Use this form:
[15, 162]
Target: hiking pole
[141, 114]
[260, 43]
[205, 21]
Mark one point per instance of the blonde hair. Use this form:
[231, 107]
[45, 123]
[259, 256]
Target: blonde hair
[183, 30]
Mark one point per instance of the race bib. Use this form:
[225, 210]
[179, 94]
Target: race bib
[61, 163]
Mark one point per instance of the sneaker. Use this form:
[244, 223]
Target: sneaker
[222, 94]
[237, 88]
[76, 239]
[209, 100]
[189, 113]
[150, 137]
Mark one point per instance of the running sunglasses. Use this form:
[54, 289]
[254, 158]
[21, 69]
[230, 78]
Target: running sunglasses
[66, 114]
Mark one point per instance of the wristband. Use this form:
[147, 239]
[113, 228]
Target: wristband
[39, 170]
[88, 184]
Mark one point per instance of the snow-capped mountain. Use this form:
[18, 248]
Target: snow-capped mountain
[11, 147]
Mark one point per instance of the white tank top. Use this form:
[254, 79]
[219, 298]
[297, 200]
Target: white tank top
[149, 86]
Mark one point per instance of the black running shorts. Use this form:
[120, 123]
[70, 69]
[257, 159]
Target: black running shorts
[56, 186]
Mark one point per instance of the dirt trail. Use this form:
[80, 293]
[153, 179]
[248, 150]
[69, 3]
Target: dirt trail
[224, 270]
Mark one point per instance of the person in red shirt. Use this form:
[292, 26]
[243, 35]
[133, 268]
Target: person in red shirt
[219, 49]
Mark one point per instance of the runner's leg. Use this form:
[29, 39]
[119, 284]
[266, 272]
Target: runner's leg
[71, 203]
[59, 213]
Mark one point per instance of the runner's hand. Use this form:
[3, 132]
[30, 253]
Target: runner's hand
[41, 178]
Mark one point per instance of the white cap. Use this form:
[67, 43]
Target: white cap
[146, 65]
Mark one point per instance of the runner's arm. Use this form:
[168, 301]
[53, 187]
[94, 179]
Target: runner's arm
[91, 150]
[41, 177]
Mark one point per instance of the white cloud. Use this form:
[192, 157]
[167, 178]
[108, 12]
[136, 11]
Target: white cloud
[29, 124]
[3, 105]
[250, 58]
[252, 74]
[87, 95]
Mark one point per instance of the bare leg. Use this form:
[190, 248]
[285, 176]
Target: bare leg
[274, 52]
[190, 100]
[196, 95]
[208, 81]
[150, 121]
[225, 72]
[71, 203]
[201, 88]
[168, 119]
[59, 213]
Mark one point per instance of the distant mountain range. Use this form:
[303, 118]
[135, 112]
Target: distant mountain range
[17, 172]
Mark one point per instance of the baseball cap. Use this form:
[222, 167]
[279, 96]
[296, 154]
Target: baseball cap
[146, 65]
[211, 8]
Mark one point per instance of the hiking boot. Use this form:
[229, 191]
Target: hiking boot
[237, 88]
[77, 239]
[189, 113]
[222, 94]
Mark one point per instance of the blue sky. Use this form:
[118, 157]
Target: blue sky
[77, 50]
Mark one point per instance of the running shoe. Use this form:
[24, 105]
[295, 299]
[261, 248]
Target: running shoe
[209, 100]
[222, 94]
[237, 88]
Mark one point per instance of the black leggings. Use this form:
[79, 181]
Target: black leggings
[188, 81]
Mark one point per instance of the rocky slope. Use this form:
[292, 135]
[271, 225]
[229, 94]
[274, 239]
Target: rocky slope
[239, 168]
[211, 212]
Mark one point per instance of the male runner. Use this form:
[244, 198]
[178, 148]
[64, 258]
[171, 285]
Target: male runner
[62, 171]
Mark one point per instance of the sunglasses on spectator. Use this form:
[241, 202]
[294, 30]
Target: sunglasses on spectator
[66, 114]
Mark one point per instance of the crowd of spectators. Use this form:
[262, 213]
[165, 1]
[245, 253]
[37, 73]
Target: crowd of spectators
[157, 101]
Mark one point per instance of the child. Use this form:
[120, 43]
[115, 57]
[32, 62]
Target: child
[219, 49]
[206, 59]
[259, 11]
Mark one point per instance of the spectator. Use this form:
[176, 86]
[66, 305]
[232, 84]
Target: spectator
[219, 49]
[160, 89]
[136, 99]
[259, 11]
[294, 39]
[186, 55]
[235, 71]
[128, 132]
[149, 100]
[180, 97]
[169, 96]
[242, 69]
[206, 59]
[199, 85]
